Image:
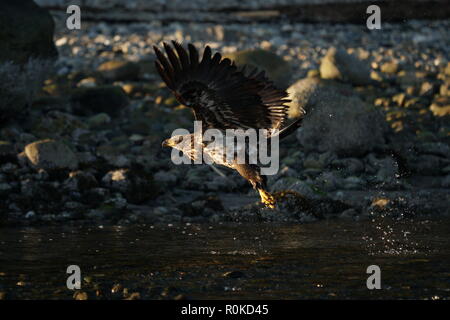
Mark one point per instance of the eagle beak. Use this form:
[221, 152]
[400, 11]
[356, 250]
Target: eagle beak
[166, 143]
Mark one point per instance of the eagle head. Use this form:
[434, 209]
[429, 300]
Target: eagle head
[173, 141]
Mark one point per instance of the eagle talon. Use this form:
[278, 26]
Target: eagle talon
[266, 198]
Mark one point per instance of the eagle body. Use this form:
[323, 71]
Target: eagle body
[223, 97]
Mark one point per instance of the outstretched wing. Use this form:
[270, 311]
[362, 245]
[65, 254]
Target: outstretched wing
[221, 96]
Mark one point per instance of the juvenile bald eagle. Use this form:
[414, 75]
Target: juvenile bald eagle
[223, 97]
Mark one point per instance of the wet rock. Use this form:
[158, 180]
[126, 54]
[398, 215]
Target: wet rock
[136, 185]
[81, 180]
[353, 183]
[107, 99]
[202, 206]
[426, 164]
[306, 189]
[51, 154]
[277, 69]
[329, 181]
[80, 295]
[119, 70]
[349, 165]
[339, 65]
[436, 148]
[26, 31]
[233, 274]
[312, 162]
[385, 168]
[323, 128]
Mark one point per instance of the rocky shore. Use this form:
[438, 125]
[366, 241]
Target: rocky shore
[86, 146]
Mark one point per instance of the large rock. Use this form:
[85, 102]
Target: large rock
[307, 92]
[277, 69]
[137, 185]
[108, 99]
[339, 65]
[26, 30]
[50, 154]
[117, 70]
[343, 124]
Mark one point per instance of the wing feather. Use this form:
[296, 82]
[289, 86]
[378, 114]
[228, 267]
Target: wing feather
[221, 95]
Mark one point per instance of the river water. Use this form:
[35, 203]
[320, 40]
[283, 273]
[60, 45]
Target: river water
[325, 260]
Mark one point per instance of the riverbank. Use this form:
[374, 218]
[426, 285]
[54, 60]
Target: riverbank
[106, 112]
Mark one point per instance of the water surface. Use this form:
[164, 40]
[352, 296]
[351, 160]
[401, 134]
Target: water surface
[326, 260]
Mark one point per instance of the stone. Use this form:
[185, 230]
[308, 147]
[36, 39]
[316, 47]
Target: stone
[344, 125]
[427, 89]
[107, 99]
[117, 70]
[137, 186]
[81, 180]
[26, 30]
[339, 65]
[51, 154]
[98, 120]
[427, 164]
[399, 98]
[307, 92]
[56, 124]
[389, 67]
[440, 107]
[277, 69]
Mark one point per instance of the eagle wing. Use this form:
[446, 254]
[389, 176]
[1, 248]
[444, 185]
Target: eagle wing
[221, 96]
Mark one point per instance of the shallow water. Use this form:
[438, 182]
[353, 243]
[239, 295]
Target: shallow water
[326, 259]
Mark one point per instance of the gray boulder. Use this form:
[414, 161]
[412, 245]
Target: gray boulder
[50, 154]
[339, 65]
[343, 124]
[309, 91]
[136, 185]
[117, 70]
[107, 99]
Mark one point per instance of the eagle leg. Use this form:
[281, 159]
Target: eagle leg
[252, 173]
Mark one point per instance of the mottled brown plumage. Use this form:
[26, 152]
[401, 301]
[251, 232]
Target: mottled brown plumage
[224, 97]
